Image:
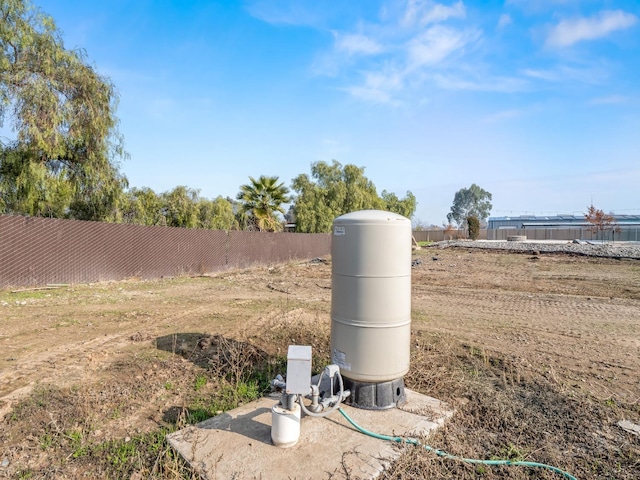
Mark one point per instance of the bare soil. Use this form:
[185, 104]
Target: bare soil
[539, 354]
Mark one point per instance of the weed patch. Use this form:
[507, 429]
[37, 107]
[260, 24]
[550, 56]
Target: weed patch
[508, 412]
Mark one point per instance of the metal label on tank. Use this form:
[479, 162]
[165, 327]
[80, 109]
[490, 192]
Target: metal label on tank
[340, 359]
[338, 230]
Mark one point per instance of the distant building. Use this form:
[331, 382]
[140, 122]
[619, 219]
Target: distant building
[563, 227]
[556, 221]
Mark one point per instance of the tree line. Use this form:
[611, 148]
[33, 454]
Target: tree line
[64, 161]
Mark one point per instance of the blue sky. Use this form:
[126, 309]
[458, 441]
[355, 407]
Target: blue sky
[536, 101]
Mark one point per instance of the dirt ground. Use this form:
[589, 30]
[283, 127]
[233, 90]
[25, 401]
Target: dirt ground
[539, 354]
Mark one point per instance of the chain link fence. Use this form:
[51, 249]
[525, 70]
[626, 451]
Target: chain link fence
[440, 234]
[624, 234]
[38, 251]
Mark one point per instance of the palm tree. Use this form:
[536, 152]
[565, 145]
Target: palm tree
[262, 199]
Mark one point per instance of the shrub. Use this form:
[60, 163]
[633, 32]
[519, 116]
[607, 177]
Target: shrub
[474, 227]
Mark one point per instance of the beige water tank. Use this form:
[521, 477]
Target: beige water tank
[371, 298]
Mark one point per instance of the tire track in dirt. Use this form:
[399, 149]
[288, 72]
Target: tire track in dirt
[58, 360]
[62, 364]
[599, 335]
[558, 312]
[64, 353]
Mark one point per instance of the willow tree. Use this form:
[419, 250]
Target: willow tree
[63, 115]
[142, 206]
[216, 214]
[405, 206]
[262, 200]
[333, 190]
[180, 207]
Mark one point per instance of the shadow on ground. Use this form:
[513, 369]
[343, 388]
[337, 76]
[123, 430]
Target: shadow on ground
[224, 355]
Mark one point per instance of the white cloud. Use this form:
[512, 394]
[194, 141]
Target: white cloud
[407, 57]
[539, 5]
[346, 50]
[379, 86]
[424, 12]
[354, 44]
[440, 13]
[504, 21]
[564, 73]
[436, 44]
[449, 81]
[425, 54]
[569, 32]
[547, 75]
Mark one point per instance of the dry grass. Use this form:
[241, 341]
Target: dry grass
[70, 432]
[503, 410]
[507, 411]
[530, 390]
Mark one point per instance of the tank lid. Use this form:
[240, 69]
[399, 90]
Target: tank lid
[371, 216]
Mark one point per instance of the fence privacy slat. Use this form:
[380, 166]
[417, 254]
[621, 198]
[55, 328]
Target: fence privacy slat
[625, 234]
[40, 251]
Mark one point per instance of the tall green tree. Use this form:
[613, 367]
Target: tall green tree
[143, 206]
[262, 200]
[216, 214]
[472, 201]
[63, 113]
[405, 207]
[180, 207]
[30, 188]
[333, 190]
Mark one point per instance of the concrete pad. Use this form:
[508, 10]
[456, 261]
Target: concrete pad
[237, 444]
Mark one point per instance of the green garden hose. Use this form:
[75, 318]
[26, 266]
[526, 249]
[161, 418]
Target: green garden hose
[454, 457]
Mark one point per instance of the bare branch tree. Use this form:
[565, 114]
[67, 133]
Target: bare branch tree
[601, 222]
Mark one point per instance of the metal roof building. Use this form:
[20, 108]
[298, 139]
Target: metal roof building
[563, 227]
[556, 221]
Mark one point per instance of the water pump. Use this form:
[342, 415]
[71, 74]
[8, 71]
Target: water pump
[325, 395]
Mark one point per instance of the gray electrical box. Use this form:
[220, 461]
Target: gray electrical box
[299, 369]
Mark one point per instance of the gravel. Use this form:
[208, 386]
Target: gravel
[608, 250]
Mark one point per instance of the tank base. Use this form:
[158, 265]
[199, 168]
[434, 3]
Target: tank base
[375, 396]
